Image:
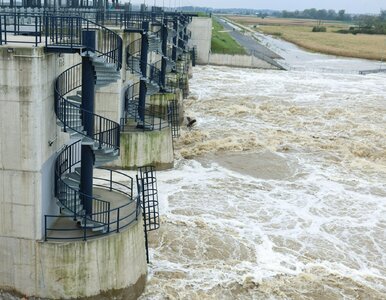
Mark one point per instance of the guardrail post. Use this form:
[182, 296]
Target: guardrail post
[65, 115]
[1, 31]
[71, 31]
[118, 211]
[108, 221]
[84, 228]
[46, 33]
[175, 41]
[45, 228]
[100, 136]
[36, 31]
[111, 180]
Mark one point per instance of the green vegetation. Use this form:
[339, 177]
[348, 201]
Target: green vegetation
[222, 42]
[299, 32]
[368, 25]
[202, 14]
[313, 13]
[319, 27]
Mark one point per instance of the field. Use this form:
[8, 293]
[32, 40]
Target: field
[222, 42]
[299, 32]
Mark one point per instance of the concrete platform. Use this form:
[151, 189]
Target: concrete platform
[66, 227]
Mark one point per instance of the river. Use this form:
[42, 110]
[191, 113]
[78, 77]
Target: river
[279, 192]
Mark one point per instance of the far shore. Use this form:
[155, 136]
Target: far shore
[299, 32]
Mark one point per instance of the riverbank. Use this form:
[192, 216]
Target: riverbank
[222, 42]
[299, 32]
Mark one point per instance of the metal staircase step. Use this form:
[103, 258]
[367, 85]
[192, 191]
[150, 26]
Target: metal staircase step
[73, 176]
[74, 104]
[108, 76]
[61, 203]
[89, 53]
[100, 83]
[76, 98]
[105, 151]
[88, 141]
[106, 156]
[71, 183]
[103, 65]
[78, 170]
[98, 59]
[102, 160]
[73, 128]
[77, 135]
[93, 225]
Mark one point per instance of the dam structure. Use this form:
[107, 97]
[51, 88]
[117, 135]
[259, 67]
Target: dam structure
[86, 88]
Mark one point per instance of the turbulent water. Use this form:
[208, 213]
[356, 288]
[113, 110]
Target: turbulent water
[279, 192]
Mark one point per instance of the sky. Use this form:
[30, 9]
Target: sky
[351, 6]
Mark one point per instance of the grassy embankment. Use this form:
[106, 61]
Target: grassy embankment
[222, 42]
[299, 32]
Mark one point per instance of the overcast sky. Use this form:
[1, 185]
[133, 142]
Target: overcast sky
[352, 6]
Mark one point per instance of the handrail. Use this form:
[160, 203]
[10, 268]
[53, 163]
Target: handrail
[67, 31]
[133, 51]
[106, 131]
[66, 161]
[154, 71]
[105, 216]
[154, 119]
[134, 60]
[64, 31]
[21, 24]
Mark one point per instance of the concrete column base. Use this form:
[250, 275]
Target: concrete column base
[142, 148]
[110, 267]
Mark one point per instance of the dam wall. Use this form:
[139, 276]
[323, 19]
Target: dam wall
[243, 61]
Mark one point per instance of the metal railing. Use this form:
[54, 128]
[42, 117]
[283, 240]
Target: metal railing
[154, 118]
[106, 132]
[103, 218]
[17, 24]
[133, 56]
[65, 33]
[154, 72]
[174, 117]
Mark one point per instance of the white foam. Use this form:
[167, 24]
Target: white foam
[223, 227]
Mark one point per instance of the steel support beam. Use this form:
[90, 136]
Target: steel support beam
[175, 41]
[88, 99]
[143, 65]
[164, 36]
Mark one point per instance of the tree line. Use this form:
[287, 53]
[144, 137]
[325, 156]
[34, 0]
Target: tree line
[370, 24]
[313, 13]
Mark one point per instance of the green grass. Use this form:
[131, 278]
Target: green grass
[222, 42]
[202, 14]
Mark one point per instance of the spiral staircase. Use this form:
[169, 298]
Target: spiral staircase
[153, 119]
[64, 35]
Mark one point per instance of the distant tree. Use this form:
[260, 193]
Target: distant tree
[342, 14]
[382, 15]
[331, 14]
[313, 13]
